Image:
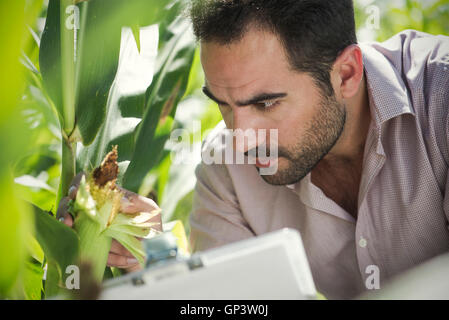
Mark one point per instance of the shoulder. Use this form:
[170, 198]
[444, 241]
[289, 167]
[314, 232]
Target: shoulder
[414, 67]
[417, 56]
[413, 49]
[425, 70]
[423, 59]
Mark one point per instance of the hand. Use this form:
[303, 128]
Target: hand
[119, 256]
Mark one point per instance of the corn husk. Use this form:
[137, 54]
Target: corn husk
[98, 220]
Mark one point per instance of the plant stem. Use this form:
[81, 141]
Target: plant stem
[68, 167]
[68, 70]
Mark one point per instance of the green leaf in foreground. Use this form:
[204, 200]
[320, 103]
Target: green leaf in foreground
[15, 225]
[60, 246]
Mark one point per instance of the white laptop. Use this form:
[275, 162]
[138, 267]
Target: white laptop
[268, 267]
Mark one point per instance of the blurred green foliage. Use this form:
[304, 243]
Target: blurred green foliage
[431, 16]
[30, 123]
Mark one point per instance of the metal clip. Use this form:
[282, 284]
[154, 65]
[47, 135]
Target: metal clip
[160, 248]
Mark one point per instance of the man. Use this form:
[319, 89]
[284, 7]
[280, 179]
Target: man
[363, 153]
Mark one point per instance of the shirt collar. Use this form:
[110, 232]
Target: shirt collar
[387, 91]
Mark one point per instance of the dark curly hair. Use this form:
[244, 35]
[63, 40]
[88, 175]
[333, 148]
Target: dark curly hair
[313, 32]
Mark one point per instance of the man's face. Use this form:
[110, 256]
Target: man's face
[256, 88]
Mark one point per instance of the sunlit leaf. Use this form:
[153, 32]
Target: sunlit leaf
[15, 225]
[164, 94]
[96, 70]
[134, 75]
[57, 62]
[33, 280]
[60, 253]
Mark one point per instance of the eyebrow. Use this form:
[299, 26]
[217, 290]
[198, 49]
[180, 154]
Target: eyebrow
[257, 99]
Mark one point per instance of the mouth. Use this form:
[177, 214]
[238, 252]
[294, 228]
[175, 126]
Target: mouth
[265, 163]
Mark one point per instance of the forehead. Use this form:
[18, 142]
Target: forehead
[259, 55]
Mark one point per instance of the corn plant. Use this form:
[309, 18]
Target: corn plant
[86, 53]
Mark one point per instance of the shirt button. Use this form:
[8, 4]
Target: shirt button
[362, 242]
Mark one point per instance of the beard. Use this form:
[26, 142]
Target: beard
[321, 135]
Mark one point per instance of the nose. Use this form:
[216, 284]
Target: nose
[245, 125]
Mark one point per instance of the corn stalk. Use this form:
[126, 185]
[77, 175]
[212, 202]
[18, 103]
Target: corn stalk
[79, 59]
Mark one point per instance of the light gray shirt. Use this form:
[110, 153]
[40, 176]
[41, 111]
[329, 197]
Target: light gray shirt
[403, 203]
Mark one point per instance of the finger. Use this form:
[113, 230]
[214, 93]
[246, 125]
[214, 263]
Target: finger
[119, 249]
[67, 220]
[63, 207]
[137, 203]
[62, 214]
[74, 185]
[115, 260]
[134, 268]
[133, 202]
[158, 222]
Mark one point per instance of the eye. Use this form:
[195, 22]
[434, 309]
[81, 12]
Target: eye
[267, 104]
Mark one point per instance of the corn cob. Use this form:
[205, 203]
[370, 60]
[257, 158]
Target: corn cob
[98, 219]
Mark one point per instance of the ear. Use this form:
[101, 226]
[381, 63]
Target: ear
[348, 72]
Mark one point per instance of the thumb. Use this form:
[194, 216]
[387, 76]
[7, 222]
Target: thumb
[67, 220]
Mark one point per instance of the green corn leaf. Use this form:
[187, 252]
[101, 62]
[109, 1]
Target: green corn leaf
[53, 283]
[126, 105]
[140, 13]
[94, 244]
[65, 250]
[16, 219]
[60, 253]
[79, 78]
[120, 123]
[51, 65]
[130, 242]
[167, 89]
[15, 225]
[97, 60]
[35, 191]
[34, 249]
[133, 231]
[103, 214]
[136, 225]
[32, 284]
[136, 33]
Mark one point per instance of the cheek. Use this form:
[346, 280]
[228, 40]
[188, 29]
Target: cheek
[295, 123]
[290, 138]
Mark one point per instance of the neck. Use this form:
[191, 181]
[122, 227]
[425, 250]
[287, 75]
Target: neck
[350, 145]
